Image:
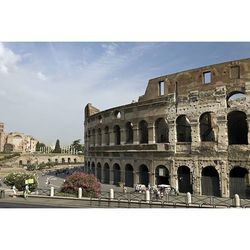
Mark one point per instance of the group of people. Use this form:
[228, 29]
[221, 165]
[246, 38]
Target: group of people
[157, 191]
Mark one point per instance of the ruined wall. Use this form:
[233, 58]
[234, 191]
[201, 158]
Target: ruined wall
[199, 116]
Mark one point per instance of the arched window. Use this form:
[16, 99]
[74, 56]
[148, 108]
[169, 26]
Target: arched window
[106, 173]
[143, 131]
[184, 180]
[210, 181]
[239, 182]
[129, 133]
[234, 97]
[117, 174]
[183, 129]
[161, 175]
[106, 136]
[143, 175]
[129, 176]
[99, 172]
[161, 131]
[117, 135]
[237, 128]
[93, 137]
[207, 124]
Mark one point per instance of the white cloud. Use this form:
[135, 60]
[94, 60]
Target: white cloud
[8, 59]
[41, 76]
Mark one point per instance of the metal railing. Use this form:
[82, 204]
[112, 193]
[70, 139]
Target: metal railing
[168, 200]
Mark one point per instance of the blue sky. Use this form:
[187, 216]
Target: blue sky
[44, 86]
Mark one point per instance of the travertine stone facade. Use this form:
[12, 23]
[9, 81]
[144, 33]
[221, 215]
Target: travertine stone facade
[16, 142]
[189, 130]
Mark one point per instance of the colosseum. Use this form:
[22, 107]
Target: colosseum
[189, 130]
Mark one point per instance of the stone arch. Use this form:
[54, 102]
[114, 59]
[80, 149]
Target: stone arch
[207, 125]
[63, 160]
[239, 182]
[183, 129]
[117, 135]
[143, 175]
[129, 175]
[235, 95]
[161, 131]
[106, 137]
[92, 169]
[106, 173]
[99, 172]
[162, 175]
[210, 182]
[143, 131]
[129, 133]
[237, 128]
[184, 179]
[117, 173]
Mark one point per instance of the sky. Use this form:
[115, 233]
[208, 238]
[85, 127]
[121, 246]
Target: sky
[44, 86]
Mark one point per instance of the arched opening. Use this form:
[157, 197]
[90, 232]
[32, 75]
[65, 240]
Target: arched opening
[129, 133]
[21, 162]
[183, 129]
[106, 132]
[237, 128]
[235, 97]
[63, 160]
[75, 161]
[99, 172]
[144, 175]
[69, 160]
[99, 137]
[56, 160]
[143, 131]
[93, 137]
[207, 124]
[117, 135]
[117, 174]
[106, 173]
[239, 182]
[92, 169]
[184, 180]
[129, 176]
[161, 175]
[161, 131]
[117, 114]
[210, 184]
[49, 160]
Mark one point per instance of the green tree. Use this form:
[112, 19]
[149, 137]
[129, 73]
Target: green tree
[77, 146]
[39, 146]
[57, 147]
[18, 179]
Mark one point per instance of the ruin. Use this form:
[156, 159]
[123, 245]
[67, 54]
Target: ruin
[190, 130]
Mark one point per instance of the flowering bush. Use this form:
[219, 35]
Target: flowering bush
[18, 180]
[88, 182]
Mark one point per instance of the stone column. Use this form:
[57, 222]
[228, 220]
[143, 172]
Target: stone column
[122, 167]
[224, 179]
[123, 136]
[196, 178]
[172, 136]
[136, 177]
[111, 175]
[151, 133]
[195, 135]
[222, 135]
[248, 123]
[136, 134]
[173, 175]
[111, 138]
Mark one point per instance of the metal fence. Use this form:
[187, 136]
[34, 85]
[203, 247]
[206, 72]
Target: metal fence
[135, 199]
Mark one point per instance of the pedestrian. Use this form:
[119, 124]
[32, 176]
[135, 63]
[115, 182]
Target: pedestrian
[14, 191]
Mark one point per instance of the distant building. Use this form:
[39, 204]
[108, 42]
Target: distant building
[16, 142]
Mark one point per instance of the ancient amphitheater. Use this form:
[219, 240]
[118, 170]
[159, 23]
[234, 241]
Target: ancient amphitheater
[189, 130]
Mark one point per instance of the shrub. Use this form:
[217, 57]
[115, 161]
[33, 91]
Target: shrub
[18, 179]
[88, 182]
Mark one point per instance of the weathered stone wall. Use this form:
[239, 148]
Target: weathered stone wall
[183, 95]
